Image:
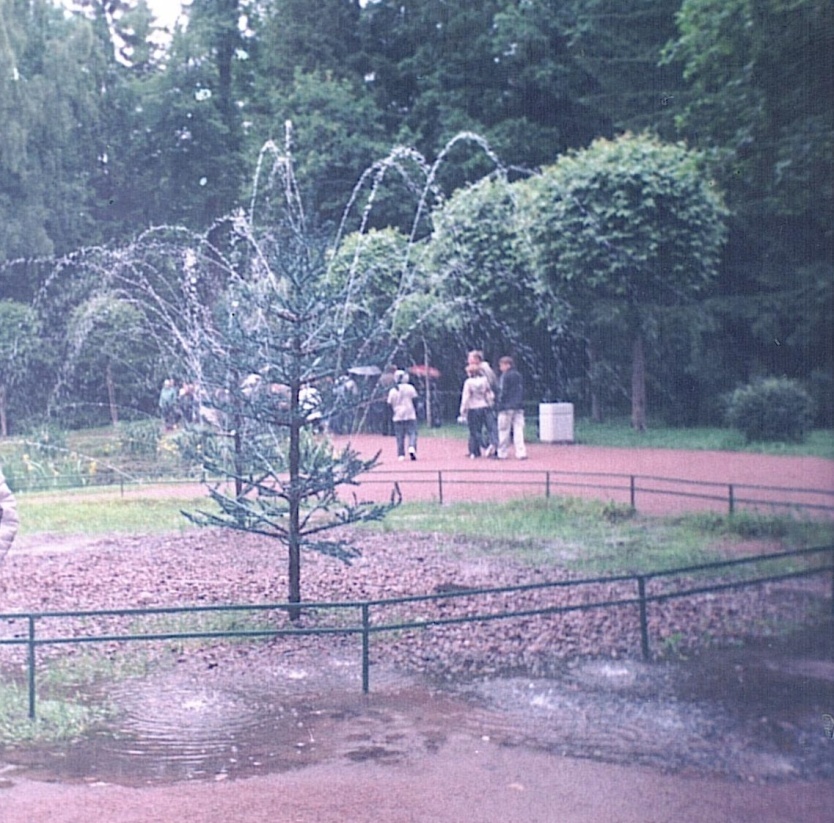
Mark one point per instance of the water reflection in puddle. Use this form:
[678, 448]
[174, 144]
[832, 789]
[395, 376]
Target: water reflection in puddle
[212, 726]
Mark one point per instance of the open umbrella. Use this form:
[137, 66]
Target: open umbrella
[365, 371]
[420, 370]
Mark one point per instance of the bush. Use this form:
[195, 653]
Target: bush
[140, 438]
[771, 409]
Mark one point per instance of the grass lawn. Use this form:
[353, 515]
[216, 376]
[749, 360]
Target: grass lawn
[583, 535]
[619, 434]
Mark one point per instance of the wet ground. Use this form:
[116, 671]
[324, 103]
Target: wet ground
[736, 734]
[753, 713]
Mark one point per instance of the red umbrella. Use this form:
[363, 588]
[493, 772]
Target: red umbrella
[420, 371]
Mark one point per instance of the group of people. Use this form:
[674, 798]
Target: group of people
[493, 408]
[178, 404]
[491, 405]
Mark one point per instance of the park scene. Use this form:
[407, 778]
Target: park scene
[416, 412]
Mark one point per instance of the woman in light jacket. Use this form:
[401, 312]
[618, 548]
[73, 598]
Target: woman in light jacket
[475, 404]
[401, 399]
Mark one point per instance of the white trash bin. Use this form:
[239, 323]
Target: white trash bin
[556, 422]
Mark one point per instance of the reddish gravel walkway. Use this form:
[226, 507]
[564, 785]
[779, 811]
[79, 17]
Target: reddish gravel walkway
[575, 469]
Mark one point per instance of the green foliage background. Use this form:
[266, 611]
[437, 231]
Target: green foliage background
[107, 131]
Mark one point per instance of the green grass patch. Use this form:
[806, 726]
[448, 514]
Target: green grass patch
[601, 538]
[58, 721]
[70, 700]
[619, 434]
[98, 513]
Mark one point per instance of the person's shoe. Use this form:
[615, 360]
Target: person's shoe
[412, 453]
[490, 450]
[401, 457]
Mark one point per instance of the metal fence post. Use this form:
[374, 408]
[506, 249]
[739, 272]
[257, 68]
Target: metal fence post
[547, 485]
[644, 623]
[832, 582]
[732, 498]
[440, 487]
[633, 493]
[31, 667]
[366, 650]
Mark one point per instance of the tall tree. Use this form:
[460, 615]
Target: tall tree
[497, 68]
[632, 222]
[19, 330]
[486, 267]
[51, 73]
[760, 104]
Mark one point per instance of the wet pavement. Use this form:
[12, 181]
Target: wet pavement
[751, 713]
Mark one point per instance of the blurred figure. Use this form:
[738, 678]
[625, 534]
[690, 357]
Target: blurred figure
[9, 521]
[404, 414]
[476, 358]
[168, 404]
[510, 410]
[475, 402]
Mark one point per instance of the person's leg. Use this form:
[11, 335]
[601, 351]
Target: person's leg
[492, 429]
[474, 434]
[399, 434]
[411, 427]
[482, 439]
[518, 434]
[505, 419]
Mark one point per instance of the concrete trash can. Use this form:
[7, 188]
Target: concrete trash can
[556, 422]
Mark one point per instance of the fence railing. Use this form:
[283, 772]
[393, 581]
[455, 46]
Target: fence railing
[623, 487]
[691, 582]
[439, 486]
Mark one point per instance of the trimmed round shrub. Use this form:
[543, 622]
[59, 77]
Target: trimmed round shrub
[773, 408]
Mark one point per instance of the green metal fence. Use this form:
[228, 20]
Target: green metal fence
[819, 560]
[441, 486]
[626, 488]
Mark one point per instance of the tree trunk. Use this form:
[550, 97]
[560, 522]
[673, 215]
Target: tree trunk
[596, 403]
[638, 384]
[294, 501]
[428, 384]
[111, 394]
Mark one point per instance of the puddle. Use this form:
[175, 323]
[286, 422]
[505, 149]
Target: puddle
[752, 713]
[214, 726]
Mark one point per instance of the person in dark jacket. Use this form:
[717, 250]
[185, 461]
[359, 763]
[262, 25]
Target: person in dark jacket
[510, 407]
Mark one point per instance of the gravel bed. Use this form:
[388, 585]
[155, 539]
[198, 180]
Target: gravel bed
[216, 567]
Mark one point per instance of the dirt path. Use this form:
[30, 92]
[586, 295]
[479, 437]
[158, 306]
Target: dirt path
[464, 774]
[466, 781]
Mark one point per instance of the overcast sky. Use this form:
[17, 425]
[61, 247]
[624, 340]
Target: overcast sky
[165, 10]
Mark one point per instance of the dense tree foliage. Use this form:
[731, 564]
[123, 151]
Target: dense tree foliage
[108, 128]
[629, 224]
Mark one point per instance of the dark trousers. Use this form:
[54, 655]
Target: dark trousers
[477, 420]
[405, 429]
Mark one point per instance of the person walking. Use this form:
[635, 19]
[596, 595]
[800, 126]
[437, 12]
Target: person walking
[168, 404]
[510, 410]
[401, 399]
[475, 403]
